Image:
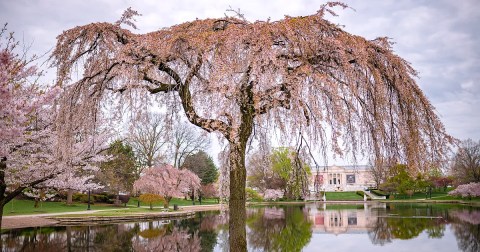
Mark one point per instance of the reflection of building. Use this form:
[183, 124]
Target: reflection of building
[341, 178]
[339, 221]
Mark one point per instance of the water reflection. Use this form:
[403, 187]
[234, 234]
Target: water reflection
[279, 228]
[275, 228]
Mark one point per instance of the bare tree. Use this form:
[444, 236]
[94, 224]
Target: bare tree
[466, 163]
[300, 74]
[186, 141]
[379, 171]
[147, 138]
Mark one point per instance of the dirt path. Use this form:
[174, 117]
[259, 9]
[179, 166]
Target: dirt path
[38, 220]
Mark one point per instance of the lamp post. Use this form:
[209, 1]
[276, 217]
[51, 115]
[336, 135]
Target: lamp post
[88, 208]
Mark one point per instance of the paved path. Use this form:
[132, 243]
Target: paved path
[36, 220]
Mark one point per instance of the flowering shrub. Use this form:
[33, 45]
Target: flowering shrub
[467, 190]
[271, 194]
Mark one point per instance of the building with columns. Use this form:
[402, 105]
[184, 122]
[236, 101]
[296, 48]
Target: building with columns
[341, 178]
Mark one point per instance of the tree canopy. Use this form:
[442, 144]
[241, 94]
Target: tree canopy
[118, 173]
[201, 164]
[302, 76]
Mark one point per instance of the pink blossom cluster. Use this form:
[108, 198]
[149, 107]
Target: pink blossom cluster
[272, 194]
[167, 181]
[467, 190]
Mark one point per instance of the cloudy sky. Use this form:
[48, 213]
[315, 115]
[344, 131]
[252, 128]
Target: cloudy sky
[441, 38]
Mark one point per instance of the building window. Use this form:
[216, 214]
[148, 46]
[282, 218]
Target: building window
[351, 178]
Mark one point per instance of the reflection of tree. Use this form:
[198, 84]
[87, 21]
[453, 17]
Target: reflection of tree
[112, 238]
[401, 225]
[468, 236]
[408, 228]
[35, 239]
[279, 229]
[177, 239]
[380, 234]
[472, 217]
[207, 224]
[466, 228]
[97, 238]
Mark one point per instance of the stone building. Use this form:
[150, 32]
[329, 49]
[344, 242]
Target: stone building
[341, 178]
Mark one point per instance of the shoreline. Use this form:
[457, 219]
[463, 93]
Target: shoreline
[59, 219]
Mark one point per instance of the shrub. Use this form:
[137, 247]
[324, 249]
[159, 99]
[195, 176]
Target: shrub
[124, 198]
[80, 197]
[252, 195]
[101, 198]
[150, 198]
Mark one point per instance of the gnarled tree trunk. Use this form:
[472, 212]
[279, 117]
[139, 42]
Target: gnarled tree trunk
[237, 211]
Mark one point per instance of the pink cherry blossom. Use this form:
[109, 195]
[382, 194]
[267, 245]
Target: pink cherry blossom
[167, 181]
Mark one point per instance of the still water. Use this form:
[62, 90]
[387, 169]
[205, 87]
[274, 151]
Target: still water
[310, 227]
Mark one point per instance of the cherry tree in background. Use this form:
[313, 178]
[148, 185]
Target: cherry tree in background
[78, 180]
[467, 190]
[167, 181]
[303, 77]
[178, 239]
[273, 194]
[210, 190]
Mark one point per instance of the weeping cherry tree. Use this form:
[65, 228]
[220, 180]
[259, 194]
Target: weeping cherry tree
[299, 75]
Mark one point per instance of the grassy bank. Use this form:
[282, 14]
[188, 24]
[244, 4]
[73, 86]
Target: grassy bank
[22, 207]
[175, 201]
[342, 196]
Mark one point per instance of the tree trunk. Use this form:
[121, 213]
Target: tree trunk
[69, 196]
[1, 218]
[69, 238]
[237, 211]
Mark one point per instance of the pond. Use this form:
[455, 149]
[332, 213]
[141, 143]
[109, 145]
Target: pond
[310, 227]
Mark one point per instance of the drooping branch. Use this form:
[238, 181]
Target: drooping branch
[307, 75]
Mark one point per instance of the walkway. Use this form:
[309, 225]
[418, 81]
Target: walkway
[374, 196]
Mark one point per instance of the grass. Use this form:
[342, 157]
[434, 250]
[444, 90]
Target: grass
[175, 201]
[440, 195]
[119, 212]
[21, 207]
[342, 196]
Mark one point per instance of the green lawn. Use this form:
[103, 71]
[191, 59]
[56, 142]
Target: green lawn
[435, 196]
[342, 196]
[175, 201]
[19, 207]
[119, 212]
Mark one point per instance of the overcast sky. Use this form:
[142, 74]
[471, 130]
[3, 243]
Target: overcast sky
[441, 38]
